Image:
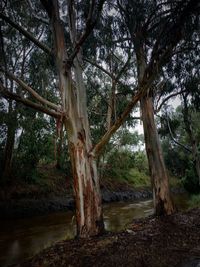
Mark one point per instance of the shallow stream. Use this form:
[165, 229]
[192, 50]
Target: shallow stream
[23, 238]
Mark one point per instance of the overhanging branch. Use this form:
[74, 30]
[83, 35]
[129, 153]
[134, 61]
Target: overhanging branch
[175, 141]
[166, 99]
[8, 95]
[28, 35]
[27, 88]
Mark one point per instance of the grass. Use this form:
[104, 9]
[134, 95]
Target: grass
[121, 178]
[139, 179]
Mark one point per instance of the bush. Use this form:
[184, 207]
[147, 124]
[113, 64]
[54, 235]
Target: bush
[128, 166]
[194, 201]
[190, 180]
[140, 162]
[138, 178]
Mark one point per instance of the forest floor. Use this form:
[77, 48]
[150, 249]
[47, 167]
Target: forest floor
[154, 242]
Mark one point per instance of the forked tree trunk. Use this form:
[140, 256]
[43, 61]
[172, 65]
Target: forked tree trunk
[89, 216]
[89, 213]
[159, 177]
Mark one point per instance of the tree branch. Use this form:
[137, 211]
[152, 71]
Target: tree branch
[105, 139]
[175, 141]
[100, 67]
[31, 91]
[88, 29]
[166, 99]
[35, 15]
[113, 77]
[28, 35]
[123, 68]
[8, 95]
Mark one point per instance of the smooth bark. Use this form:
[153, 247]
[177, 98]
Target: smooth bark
[159, 177]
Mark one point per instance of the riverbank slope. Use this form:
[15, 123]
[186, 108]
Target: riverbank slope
[154, 242]
[52, 192]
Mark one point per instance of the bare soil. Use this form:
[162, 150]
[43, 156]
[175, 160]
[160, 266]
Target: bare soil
[154, 242]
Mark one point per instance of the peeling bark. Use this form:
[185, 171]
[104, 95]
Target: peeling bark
[87, 191]
[89, 216]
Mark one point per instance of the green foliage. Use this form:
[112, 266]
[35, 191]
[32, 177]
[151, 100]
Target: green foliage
[178, 147]
[141, 162]
[175, 182]
[120, 161]
[138, 178]
[194, 201]
[125, 165]
[35, 144]
[190, 180]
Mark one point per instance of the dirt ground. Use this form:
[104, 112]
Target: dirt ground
[154, 242]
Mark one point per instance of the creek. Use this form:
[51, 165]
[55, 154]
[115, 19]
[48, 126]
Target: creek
[23, 238]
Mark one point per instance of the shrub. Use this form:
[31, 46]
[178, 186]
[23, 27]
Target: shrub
[194, 201]
[190, 180]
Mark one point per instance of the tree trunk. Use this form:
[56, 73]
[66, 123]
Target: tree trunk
[59, 150]
[163, 203]
[159, 177]
[89, 216]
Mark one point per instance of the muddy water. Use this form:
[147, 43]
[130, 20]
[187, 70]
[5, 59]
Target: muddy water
[21, 239]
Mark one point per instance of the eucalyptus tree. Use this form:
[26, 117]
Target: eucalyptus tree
[71, 23]
[156, 29]
[73, 112]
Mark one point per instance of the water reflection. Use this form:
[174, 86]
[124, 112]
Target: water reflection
[119, 215]
[21, 239]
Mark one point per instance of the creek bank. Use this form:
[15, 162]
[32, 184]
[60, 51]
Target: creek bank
[28, 207]
[154, 242]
